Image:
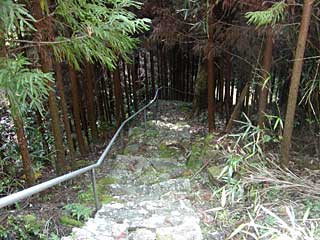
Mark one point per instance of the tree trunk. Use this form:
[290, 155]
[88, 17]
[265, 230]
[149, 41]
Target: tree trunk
[236, 112]
[153, 83]
[108, 93]
[200, 99]
[295, 81]
[221, 85]
[134, 79]
[126, 87]
[159, 70]
[117, 95]
[264, 88]
[91, 113]
[76, 109]
[228, 76]
[102, 116]
[65, 114]
[21, 136]
[23, 147]
[45, 33]
[146, 77]
[211, 117]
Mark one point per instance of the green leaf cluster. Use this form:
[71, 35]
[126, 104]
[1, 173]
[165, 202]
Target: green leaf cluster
[78, 211]
[267, 17]
[97, 31]
[14, 17]
[23, 86]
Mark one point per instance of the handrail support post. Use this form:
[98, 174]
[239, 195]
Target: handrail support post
[157, 110]
[94, 188]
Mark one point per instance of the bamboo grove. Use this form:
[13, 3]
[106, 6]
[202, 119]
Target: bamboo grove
[74, 70]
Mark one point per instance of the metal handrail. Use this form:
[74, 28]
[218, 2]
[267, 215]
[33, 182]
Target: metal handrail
[15, 197]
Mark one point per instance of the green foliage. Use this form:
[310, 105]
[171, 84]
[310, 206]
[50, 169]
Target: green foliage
[311, 92]
[14, 17]
[68, 221]
[267, 17]
[100, 32]
[199, 152]
[167, 152]
[24, 87]
[23, 227]
[264, 223]
[78, 211]
[251, 138]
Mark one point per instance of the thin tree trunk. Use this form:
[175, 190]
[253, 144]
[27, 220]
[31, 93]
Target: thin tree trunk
[228, 75]
[21, 136]
[108, 92]
[76, 109]
[64, 108]
[45, 33]
[134, 79]
[23, 147]
[126, 88]
[295, 81]
[83, 114]
[264, 88]
[211, 85]
[221, 84]
[153, 83]
[159, 70]
[91, 113]
[117, 95]
[236, 112]
[146, 76]
[103, 117]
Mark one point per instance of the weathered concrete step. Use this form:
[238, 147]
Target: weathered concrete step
[127, 192]
[138, 170]
[146, 220]
[140, 162]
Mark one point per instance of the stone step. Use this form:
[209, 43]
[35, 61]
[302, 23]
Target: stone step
[139, 170]
[146, 220]
[127, 192]
[140, 162]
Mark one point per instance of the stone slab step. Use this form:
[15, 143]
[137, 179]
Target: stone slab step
[146, 220]
[127, 192]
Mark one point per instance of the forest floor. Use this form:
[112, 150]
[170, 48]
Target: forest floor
[236, 195]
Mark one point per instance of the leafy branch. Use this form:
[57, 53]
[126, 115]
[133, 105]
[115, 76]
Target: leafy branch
[267, 17]
[23, 86]
[99, 31]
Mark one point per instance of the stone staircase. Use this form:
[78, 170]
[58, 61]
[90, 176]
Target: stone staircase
[150, 190]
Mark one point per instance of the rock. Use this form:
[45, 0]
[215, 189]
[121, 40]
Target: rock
[213, 173]
[142, 234]
[188, 230]
[216, 236]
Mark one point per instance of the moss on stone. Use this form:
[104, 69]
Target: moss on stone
[87, 197]
[68, 221]
[167, 152]
[106, 181]
[200, 151]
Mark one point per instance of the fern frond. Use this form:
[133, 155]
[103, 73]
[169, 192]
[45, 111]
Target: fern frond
[24, 87]
[267, 17]
[100, 32]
